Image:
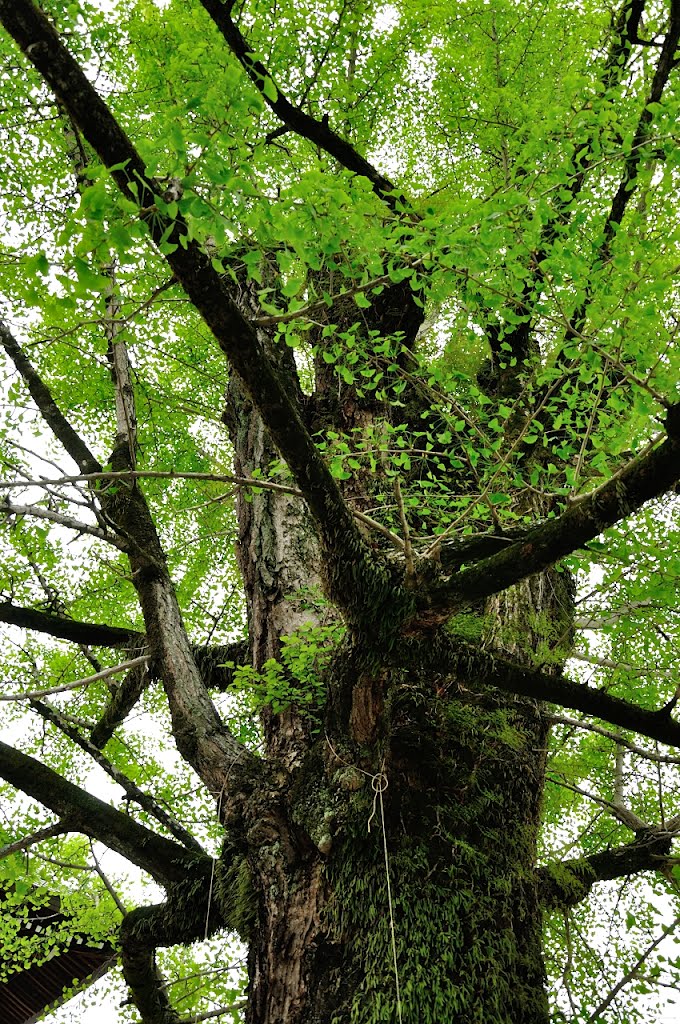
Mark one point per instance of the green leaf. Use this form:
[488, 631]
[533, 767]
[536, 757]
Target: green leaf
[270, 90]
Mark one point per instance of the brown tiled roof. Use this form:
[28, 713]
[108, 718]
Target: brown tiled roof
[26, 994]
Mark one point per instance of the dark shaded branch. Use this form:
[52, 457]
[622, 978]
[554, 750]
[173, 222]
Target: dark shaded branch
[165, 860]
[213, 663]
[457, 551]
[295, 119]
[211, 660]
[520, 338]
[474, 667]
[91, 634]
[50, 412]
[60, 828]
[641, 481]
[566, 883]
[354, 579]
[121, 703]
[632, 974]
[190, 914]
[630, 177]
[665, 65]
[146, 984]
[132, 791]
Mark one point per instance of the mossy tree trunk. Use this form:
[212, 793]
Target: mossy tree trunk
[398, 881]
[444, 800]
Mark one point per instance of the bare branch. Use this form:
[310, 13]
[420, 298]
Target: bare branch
[126, 415]
[597, 620]
[9, 509]
[104, 674]
[220, 1012]
[616, 737]
[106, 882]
[132, 791]
[617, 810]
[632, 972]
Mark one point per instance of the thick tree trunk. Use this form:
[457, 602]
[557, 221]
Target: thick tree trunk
[395, 882]
[446, 805]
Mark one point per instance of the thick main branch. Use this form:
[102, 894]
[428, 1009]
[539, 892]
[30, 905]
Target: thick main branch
[472, 667]
[644, 479]
[354, 579]
[165, 860]
[565, 883]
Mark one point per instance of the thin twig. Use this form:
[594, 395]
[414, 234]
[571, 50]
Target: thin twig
[107, 884]
[226, 478]
[623, 814]
[631, 974]
[615, 738]
[408, 549]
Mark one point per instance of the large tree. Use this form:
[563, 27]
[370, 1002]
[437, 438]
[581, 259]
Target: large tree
[341, 412]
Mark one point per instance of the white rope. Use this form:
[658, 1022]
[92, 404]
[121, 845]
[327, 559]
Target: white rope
[210, 886]
[379, 784]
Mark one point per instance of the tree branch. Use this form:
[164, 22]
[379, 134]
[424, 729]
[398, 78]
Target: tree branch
[610, 618]
[132, 791]
[631, 973]
[165, 860]
[189, 914]
[566, 883]
[474, 667]
[8, 509]
[662, 73]
[616, 737]
[48, 408]
[105, 673]
[617, 810]
[60, 828]
[121, 703]
[91, 634]
[210, 660]
[641, 481]
[295, 119]
[356, 582]
[147, 986]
